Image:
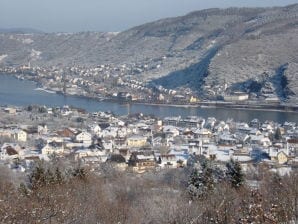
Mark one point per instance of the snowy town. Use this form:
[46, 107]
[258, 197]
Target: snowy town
[123, 83]
[138, 143]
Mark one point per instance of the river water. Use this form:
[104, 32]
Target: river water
[21, 93]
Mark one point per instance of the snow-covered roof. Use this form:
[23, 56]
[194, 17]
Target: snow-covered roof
[145, 157]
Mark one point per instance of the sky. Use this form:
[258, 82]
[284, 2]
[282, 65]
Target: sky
[106, 15]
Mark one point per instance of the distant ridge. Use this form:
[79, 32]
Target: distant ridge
[213, 50]
[20, 30]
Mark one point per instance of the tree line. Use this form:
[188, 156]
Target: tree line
[207, 193]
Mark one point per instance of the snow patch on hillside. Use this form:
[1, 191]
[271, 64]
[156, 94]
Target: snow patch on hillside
[35, 55]
[27, 41]
[21, 38]
[3, 56]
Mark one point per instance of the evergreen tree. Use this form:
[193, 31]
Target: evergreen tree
[200, 182]
[277, 134]
[234, 173]
[202, 161]
[194, 183]
[37, 177]
[80, 173]
[208, 179]
[41, 176]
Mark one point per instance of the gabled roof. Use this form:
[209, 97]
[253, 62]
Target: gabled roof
[66, 132]
[116, 158]
[83, 133]
[56, 144]
[168, 157]
[274, 152]
[14, 146]
[143, 156]
[293, 141]
[11, 151]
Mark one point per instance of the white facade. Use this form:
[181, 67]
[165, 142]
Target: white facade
[95, 129]
[53, 148]
[236, 97]
[84, 137]
[19, 135]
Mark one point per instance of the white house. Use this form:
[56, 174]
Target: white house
[108, 144]
[267, 127]
[260, 140]
[203, 133]
[170, 130]
[109, 132]
[95, 129]
[236, 96]
[84, 137]
[122, 132]
[281, 156]
[89, 152]
[53, 148]
[42, 129]
[181, 155]
[222, 126]
[19, 135]
[167, 161]
[121, 123]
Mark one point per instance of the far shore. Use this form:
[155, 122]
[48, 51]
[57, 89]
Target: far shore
[242, 105]
[230, 105]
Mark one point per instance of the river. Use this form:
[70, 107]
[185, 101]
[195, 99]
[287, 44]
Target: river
[22, 92]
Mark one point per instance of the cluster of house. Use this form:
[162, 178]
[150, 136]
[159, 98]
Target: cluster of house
[101, 82]
[139, 143]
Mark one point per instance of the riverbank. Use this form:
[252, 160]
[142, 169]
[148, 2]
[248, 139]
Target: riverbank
[245, 105]
[217, 104]
[252, 106]
[21, 93]
[209, 104]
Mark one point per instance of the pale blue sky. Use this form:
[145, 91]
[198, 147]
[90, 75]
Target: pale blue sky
[105, 15]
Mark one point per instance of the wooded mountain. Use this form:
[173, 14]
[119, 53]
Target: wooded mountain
[246, 49]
